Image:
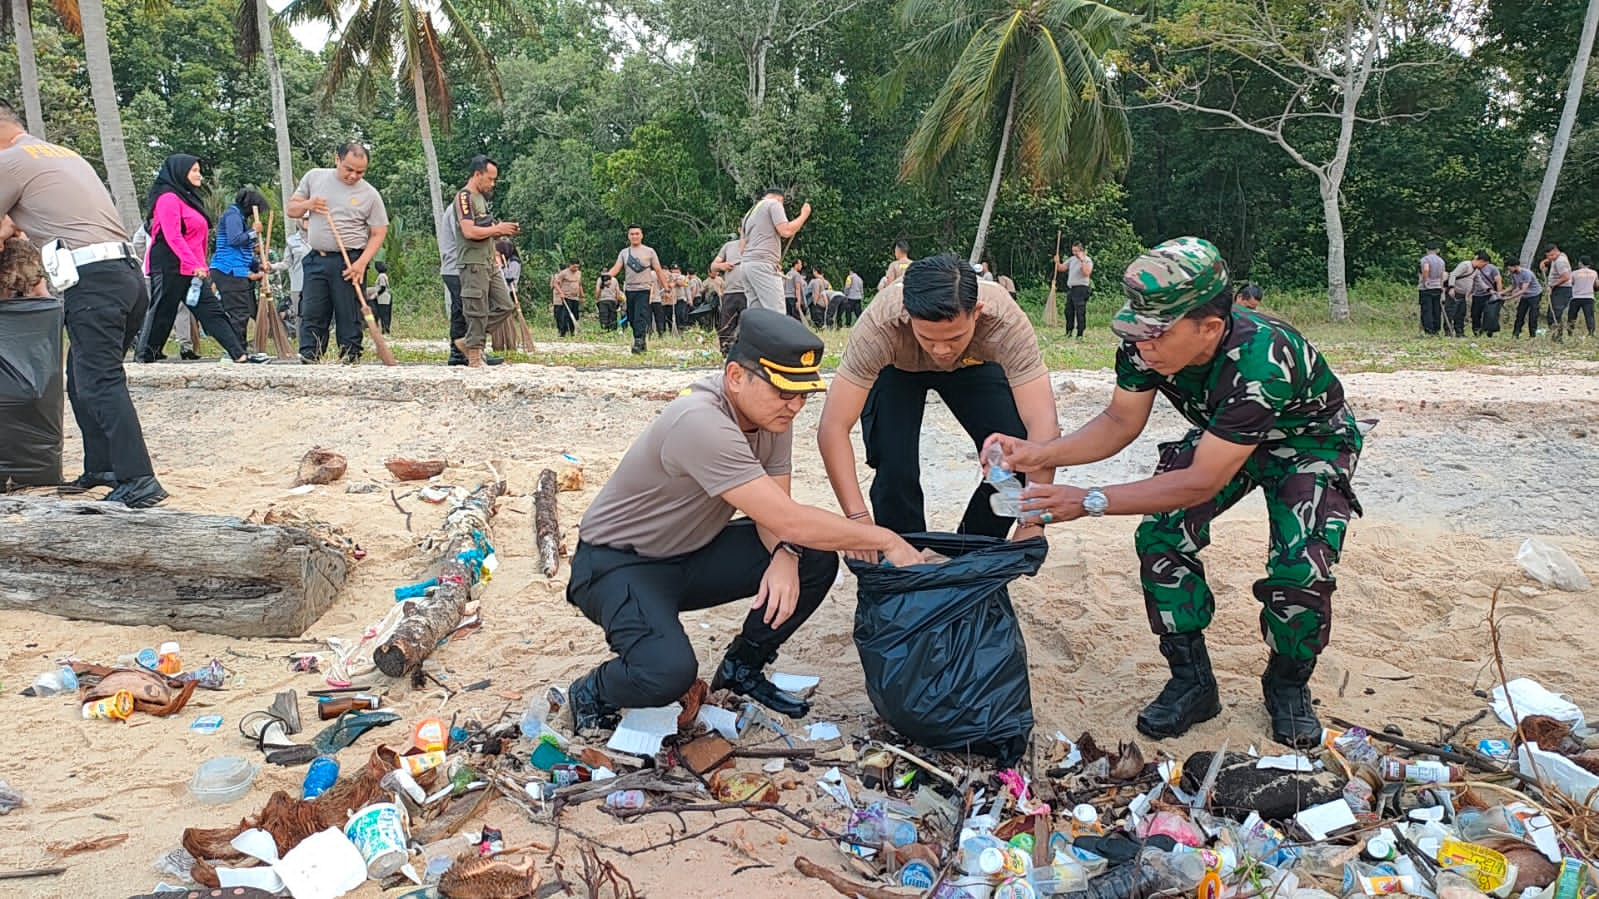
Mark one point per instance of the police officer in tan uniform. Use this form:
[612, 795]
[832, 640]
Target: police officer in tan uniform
[50, 193]
[485, 297]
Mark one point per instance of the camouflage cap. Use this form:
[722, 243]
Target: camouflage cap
[1166, 283]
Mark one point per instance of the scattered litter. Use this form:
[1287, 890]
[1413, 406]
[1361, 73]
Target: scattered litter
[1530, 698]
[1549, 564]
[795, 683]
[822, 731]
[642, 730]
[302, 490]
[1286, 763]
[10, 799]
[720, 720]
[1325, 819]
[206, 724]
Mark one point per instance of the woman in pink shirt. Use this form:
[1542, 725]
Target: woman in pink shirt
[178, 226]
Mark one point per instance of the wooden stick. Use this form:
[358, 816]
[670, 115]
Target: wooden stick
[841, 884]
[31, 872]
[267, 323]
[1051, 310]
[372, 328]
[1464, 756]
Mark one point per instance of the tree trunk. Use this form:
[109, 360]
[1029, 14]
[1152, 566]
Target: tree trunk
[1337, 280]
[107, 114]
[424, 128]
[431, 618]
[546, 524]
[209, 573]
[28, 66]
[280, 110]
[1557, 149]
[993, 183]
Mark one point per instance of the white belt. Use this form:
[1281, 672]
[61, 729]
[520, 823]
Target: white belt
[102, 252]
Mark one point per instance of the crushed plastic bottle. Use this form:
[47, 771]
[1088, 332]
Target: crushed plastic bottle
[1007, 498]
[61, 679]
[1550, 565]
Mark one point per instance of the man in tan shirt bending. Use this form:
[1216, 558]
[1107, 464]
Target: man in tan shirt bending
[936, 328]
[567, 290]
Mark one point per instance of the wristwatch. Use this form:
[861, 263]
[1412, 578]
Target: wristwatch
[1095, 502]
[787, 547]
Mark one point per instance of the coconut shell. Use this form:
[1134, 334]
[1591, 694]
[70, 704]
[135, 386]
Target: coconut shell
[472, 877]
[569, 478]
[320, 466]
[1532, 869]
[415, 469]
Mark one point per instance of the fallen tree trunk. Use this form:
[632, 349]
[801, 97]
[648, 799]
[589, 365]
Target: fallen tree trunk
[546, 526]
[431, 618]
[216, 574]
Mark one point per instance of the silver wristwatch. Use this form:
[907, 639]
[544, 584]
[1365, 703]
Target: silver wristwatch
[1095, 502]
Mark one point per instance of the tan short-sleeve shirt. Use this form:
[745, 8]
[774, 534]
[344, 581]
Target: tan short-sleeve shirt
[568, 284]
[883, 338]
[664, 499]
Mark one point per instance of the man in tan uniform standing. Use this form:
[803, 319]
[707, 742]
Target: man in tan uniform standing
[51, 193]
[733, 297]
[765, 227]
[485, 297]
[902, 261]
[644, 272]
[660, 538]
[329, 291]
[937, 328]
[567, 286]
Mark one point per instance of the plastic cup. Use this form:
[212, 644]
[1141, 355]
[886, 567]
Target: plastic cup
[378, 831]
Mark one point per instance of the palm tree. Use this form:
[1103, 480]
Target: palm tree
[377, 31]
[1041, 62]
[17, 17]
[107, 113]
[253, 35]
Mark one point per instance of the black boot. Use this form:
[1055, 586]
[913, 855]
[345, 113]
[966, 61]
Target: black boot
[638, 345]
[1190, 696]
[741, 672]
[589, 711]
[90, 480]
[139, 493]
[1293, 718]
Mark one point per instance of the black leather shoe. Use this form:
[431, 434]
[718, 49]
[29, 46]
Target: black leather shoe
[1190, 696]
[742, 672]
[90, 480]
[1285, 687]
[589, 711]
[638, 346]
[139, 493]
[188, 355]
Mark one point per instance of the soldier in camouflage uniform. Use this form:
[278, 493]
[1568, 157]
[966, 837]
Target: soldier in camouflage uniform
[1267, 412]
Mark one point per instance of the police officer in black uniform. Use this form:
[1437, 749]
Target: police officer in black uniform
[51, 193]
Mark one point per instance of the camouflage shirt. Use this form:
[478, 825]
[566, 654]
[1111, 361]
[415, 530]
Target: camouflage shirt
[1266, 384]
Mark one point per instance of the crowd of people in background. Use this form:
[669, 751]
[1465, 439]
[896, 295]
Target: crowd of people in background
[1476, 290]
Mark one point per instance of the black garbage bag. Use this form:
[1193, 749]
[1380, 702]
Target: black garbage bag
[31, 390]
[945, 661]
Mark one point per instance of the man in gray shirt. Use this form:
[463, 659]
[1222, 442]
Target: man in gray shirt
[1078, 269]
[1558, 268]
[793, 291]
[1487, 292]
[1528, 294]
[342, 196]
[765, 227]
[1430, 288]
[849, 308]
[733, 299]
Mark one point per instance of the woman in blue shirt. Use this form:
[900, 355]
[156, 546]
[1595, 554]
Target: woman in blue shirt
[233, 260]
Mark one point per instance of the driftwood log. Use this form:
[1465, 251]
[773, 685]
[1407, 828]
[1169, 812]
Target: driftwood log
[216, 574]
[546, 525]
[433, 617]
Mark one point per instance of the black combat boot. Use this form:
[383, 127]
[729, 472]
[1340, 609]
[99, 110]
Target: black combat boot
[589, 711]
[1190, 696]
[742, 672]
[90, 480]
[139, 493]
[1293, 718]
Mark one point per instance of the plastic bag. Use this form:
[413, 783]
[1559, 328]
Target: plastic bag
[1549, 564]
[32, 388]
[943, 654]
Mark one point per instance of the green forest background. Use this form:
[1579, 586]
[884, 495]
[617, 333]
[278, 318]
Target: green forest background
[644, 111]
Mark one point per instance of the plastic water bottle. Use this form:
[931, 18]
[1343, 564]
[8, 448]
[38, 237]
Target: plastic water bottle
[196, 284]
[320, 777]
[1007, 498]
[57, 680]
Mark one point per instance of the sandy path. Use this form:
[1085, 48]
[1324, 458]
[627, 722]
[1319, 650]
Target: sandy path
[1461, 467]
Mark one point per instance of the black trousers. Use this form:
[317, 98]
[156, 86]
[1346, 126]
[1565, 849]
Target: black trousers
[980, 398]
[1431, 309]
[732, 308]
[1077, 309]
[1583, 305]
[565, 323]
[329, 299]
[607, 314]
[1527, 309]
[1455, 315]
[637, 601]
[1559, 302]
[452, 284]
[680, 312]
[238, 302]
[662, 314]
[1480, 321]
[848, 311]
[103, 312]
[793, 310]
[639, 315]
[171, 288]
[384, 313]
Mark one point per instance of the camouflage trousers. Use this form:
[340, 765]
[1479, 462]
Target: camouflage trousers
[1309, 502]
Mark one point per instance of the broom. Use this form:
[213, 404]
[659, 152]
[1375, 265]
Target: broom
[1051, 311]
[372, 328]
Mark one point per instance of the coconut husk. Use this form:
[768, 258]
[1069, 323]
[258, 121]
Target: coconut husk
[320, 465]
[569, 478]
[415, 469]
[473, 877]
[692, 700]
[1532, 869]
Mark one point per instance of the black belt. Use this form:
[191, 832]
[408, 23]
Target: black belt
[338, 254]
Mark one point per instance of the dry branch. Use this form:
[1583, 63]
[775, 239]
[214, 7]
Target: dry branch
[546, 524]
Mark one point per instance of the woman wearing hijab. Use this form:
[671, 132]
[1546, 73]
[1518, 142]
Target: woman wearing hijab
[233, 263]
[178, 226]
